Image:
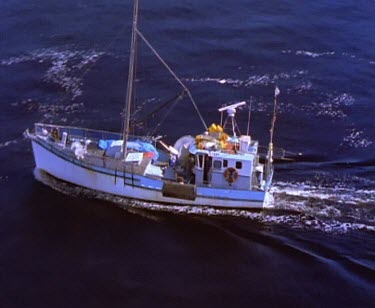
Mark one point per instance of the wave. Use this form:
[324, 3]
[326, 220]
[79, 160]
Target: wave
[50, 111]
[313, 54]
[308, 53]
[64, 66]
[293, 206]
[66, 69]
[331, 106]
[264, 80]
[324, 105]
[328, 106]
[356, 138]
[335, 192]
[8, 143]
[361, 163]
[322, 161]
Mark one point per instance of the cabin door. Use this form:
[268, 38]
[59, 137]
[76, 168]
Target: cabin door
[207, 169]
[203, 165]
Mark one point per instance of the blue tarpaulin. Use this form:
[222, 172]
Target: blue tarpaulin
[136, 145]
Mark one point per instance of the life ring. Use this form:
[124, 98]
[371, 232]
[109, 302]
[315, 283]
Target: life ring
[231, 175]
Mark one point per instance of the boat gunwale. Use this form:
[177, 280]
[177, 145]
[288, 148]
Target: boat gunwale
[67, 127]
[70, 158]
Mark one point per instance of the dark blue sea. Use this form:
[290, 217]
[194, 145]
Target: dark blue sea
[66, 62]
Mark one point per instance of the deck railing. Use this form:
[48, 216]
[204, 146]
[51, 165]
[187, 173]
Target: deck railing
[93, 157]
[83, 133]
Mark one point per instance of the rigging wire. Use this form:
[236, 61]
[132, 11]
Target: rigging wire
[172, 103]
[143, 120]
[173, 74]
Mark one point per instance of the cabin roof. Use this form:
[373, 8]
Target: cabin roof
[229, 156]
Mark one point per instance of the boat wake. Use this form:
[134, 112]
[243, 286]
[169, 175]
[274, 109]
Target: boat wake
[295, 205]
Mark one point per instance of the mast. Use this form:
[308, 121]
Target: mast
[248, 120]
[130, 86]
[270, 146]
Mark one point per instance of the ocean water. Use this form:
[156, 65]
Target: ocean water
[66, 62]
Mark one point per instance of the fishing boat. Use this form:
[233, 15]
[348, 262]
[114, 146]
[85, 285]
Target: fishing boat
[218, 168]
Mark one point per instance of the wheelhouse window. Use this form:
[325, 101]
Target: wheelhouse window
[238, 164]
[225, 163]
[217, 164]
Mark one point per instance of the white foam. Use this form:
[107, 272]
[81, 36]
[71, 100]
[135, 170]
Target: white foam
[8, 143]
[356, 138]
[349, 55]
[335, 192]
[263, 80]
[305, 86]
[50, 110]
[333, 106]
[344, 99]
[64, 66]
[314, 54]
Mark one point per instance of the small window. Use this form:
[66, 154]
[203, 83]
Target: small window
[225, 163]
[217, 164]
[238, 165]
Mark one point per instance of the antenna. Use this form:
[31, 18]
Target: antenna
[270, 146]
[231, 110]
[233, 106]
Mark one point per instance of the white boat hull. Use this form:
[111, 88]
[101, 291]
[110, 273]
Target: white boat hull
[137, 186]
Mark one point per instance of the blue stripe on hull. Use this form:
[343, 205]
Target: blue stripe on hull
[238, 195]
